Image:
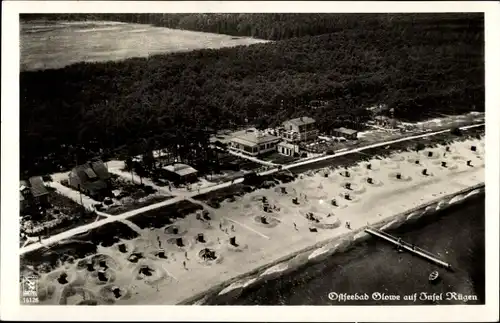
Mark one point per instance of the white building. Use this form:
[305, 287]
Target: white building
[299, 129]
[287, 149]
[253, 142]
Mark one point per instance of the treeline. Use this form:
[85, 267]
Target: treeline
[272, 26]
[177, 100]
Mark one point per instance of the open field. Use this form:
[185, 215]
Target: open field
[50, 44]
[145, 265]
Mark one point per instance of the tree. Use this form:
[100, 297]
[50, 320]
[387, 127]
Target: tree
[173, 99]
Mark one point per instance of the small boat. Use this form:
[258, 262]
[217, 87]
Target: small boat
[434, 276]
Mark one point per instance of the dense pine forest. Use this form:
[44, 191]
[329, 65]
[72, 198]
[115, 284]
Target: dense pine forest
[419, 65]
[272, 26]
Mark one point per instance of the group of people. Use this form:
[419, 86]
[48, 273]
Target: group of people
[225, 229]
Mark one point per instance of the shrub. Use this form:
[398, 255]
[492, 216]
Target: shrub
[456, 131]
[330, 152]
[420, 146]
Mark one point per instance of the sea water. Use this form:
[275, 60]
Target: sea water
[376, 269]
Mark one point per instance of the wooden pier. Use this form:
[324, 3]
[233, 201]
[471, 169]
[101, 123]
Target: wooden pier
[408, 247]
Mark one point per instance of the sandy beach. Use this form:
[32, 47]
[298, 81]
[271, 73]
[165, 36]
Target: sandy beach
[268, 225]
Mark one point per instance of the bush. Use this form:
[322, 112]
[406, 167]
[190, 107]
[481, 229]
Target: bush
[303, 155]
[420, 146]
[330, 152]
[47, 178]
[456, 131]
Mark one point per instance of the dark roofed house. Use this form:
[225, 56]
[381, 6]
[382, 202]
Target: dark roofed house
[92, 179]
[38, 188]
[346, 133]
[33, 192]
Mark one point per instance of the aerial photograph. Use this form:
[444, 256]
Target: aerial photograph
[252, 159]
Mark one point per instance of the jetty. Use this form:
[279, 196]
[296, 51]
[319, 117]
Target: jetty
[408, 247]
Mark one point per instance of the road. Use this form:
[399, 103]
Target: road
[84, 228]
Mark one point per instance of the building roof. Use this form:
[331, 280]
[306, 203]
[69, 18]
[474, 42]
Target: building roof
[253, 137]
[180, 169]
[100, 170]
[301, 121]
[92, 171]
[81, 171]
[346, 131]
[89, 172]
[37, 186]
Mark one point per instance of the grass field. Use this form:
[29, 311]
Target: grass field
[47, 44]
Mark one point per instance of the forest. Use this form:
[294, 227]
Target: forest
[419, 67]
[272, 26]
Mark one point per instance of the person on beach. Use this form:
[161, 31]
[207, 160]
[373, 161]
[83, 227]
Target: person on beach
[220, 226]
[40, 239]
[232, 228]
[184, 264]
[400, 245]
[186, 254]
[218, 240]
[295, 226]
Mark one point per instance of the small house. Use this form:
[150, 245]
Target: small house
[346, 133]
[287, 149]
[92, 179]
[38, 190]
[33, 192]
[180, 173]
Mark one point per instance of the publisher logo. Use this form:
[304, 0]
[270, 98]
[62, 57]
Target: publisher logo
[30, 289]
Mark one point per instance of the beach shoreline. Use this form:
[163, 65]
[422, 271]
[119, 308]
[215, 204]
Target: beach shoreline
[289, 239]
[342, 242]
